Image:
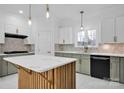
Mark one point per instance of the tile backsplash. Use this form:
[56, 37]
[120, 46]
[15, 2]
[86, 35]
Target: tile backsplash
[106, 48]
[15, 44]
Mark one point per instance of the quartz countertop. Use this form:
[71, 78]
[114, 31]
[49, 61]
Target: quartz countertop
[93, 53]
[39, 63]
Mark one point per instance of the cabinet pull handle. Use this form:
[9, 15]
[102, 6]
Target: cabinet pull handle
[115, 38]
[63, 41]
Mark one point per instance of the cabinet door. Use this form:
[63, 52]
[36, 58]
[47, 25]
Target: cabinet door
[77, 62]
[61, 36]
[107, 30]
[11, 68]
[65, 35]
[2, 37]
[114, 69]
[120, 29]
[4, 68]
[0, 66]
[85, 64]
[23, 31]
[9, 28]
[68, 35]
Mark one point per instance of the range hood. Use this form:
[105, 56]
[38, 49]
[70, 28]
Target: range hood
[15, 35]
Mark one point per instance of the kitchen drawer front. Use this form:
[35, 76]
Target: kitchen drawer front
[67, 55]
[116, 59]
[83, 56]
[59, 54]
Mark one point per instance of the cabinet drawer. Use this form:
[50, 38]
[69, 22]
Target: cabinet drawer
[114, 59]
[59, 54]
[67, 55]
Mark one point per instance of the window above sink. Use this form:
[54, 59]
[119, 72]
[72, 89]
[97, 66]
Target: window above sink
[86, 38]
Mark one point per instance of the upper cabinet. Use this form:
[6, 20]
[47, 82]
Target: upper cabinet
[2, 37]
[29, 39]
[65, 35]
[112, 30]
[120, 29]
[13, 29]
[107, 31]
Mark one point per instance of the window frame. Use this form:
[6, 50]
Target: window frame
[90, 46]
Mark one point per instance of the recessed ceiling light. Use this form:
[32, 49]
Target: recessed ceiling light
[20, 11]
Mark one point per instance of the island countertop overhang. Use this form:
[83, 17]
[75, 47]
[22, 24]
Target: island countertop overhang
[39, 63]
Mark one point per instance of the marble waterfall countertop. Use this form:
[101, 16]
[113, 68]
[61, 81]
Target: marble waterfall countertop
[39, 63]
[93, 53]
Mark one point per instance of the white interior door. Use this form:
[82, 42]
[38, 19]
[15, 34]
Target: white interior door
[45, 43]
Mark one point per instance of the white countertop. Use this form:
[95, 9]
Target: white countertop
[39, 63]
[93, 53]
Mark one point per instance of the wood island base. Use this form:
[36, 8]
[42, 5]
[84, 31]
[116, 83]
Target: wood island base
[63, 77]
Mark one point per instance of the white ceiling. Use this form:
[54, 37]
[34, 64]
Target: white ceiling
[59, 11]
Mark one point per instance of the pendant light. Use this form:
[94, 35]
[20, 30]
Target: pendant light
[81, 28]
[47, 11]
[29, 20]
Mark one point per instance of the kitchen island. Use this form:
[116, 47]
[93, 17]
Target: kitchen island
[45, 72]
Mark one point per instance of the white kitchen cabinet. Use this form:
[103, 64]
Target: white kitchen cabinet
[9, 28]
[107, 30]
[112, 30]
[85, 64]
[28, 39]
[65, 35]
[22, 31]
[120, 29]
[114, 68]
[2, 36]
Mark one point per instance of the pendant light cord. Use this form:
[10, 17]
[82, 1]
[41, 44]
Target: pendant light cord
[47, 7]
[81, 18]
[29, 11]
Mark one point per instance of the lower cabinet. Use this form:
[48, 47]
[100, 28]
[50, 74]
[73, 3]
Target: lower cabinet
[82, 63]
[11, 68]
[85, 64]
[121, 70]
[7, 68]
[3, 68]
[78, 62]
[114, 68]
[59, 54]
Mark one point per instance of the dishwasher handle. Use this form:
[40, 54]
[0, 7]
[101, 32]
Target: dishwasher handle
[100, 58]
